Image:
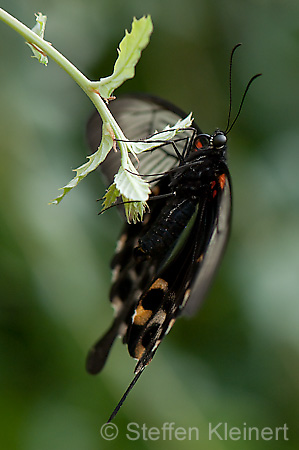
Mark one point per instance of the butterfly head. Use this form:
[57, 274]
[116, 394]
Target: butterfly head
[216, 141]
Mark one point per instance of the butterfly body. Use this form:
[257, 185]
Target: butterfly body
[158, 262]
[164, 265]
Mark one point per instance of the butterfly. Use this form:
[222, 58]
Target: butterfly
[163, 266]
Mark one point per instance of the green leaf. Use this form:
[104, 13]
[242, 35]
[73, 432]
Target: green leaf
[110, 197]
[93, 162]
[129, 52]
[131, 186]
[165, 135]
[133, 190]
[39, 29]
[134, 210]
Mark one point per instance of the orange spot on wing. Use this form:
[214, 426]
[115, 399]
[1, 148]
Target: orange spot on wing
[141, 315]
[139, 350]
[160, 284]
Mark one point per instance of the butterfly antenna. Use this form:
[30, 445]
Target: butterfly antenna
[122, 400]
[230, 126]
[242, 101]
[230, 83]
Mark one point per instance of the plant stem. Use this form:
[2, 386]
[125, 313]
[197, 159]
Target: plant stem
[85, 84]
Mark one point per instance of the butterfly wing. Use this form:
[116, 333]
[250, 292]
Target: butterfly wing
[182, 283]
[149, 294]
[139, 117]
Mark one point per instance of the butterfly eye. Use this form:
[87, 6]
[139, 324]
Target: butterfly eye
[219, 140]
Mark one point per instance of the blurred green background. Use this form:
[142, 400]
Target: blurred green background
[237, 360]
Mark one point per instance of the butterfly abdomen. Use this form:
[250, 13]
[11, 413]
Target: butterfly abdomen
[163, 235]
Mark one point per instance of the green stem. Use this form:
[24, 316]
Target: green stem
[89, 87]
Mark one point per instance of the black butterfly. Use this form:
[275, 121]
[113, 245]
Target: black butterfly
[165, 264]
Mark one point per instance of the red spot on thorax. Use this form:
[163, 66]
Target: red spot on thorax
[213, 184]
[222, 179]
